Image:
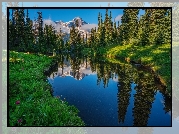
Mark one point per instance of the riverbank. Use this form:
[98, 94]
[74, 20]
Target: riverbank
[155, 58]
[30, 100]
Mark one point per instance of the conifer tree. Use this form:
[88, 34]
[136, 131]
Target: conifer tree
[92, 37]
[102, 36]
[40, 32]
[73, 36]
[119, 37]
[107, 27]
[28, 32]
[124, 31]
[96, 39]
[114, 35]
[98, 32]
[12, 32]
[111, 30]
[21, 25]
[133, 25]
[99, 21]
[144, 29]
[86, 44]
[51, 41]
[157, 26]
[83, 40]
[128, 27]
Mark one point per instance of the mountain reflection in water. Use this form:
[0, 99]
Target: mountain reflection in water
[111, 94]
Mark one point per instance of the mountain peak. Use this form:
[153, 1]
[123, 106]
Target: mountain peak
[77, 18]
[69, 24]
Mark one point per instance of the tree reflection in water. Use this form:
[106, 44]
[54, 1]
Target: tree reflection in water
[126, 74]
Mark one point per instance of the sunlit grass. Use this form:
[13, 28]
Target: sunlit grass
[156, 56]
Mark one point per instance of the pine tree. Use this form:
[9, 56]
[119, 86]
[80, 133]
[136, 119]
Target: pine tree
[157, 26]
[128, 28]
[46, 37]
[73, 36]
[115, 33]
[119, 37]
[92, 37]
[124, 30]
[18, 26]
[78, 40]
[28, 32]
[102, 36]
[12, 31]
[111, 30]
[86, 44]
[144, 29]
[83, 40]
[96, 40]
[98, 32]
[133, 25]
[107, 27]
[99, 21]
[40, 32]
[21, 23]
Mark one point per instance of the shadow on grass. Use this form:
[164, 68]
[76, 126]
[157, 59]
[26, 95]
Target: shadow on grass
[157, 57]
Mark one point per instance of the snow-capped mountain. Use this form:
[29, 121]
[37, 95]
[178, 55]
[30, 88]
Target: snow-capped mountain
[69, 24]
[84, 27]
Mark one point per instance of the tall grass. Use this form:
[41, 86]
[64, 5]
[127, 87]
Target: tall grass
[30, 101]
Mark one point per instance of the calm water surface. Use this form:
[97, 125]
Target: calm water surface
[111, 94]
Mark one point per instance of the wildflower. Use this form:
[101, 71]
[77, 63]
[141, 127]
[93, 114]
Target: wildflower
[17, 102]
[19, 121]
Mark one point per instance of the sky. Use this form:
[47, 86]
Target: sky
[90, 16]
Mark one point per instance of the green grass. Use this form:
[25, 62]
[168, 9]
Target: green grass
[36, 106]
[158, 57]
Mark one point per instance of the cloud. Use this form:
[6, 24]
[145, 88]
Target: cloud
[88, 26]
[56, 26]
[118, 18]
[48, 22]
[64, 29]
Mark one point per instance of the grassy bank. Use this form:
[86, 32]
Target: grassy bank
[157, 57]
[30, 101]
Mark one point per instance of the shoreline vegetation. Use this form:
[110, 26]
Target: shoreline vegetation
[36, 92]
[155, 59]
[30, 99]
[144, 41]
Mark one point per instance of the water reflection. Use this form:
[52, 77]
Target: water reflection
[136, 90]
